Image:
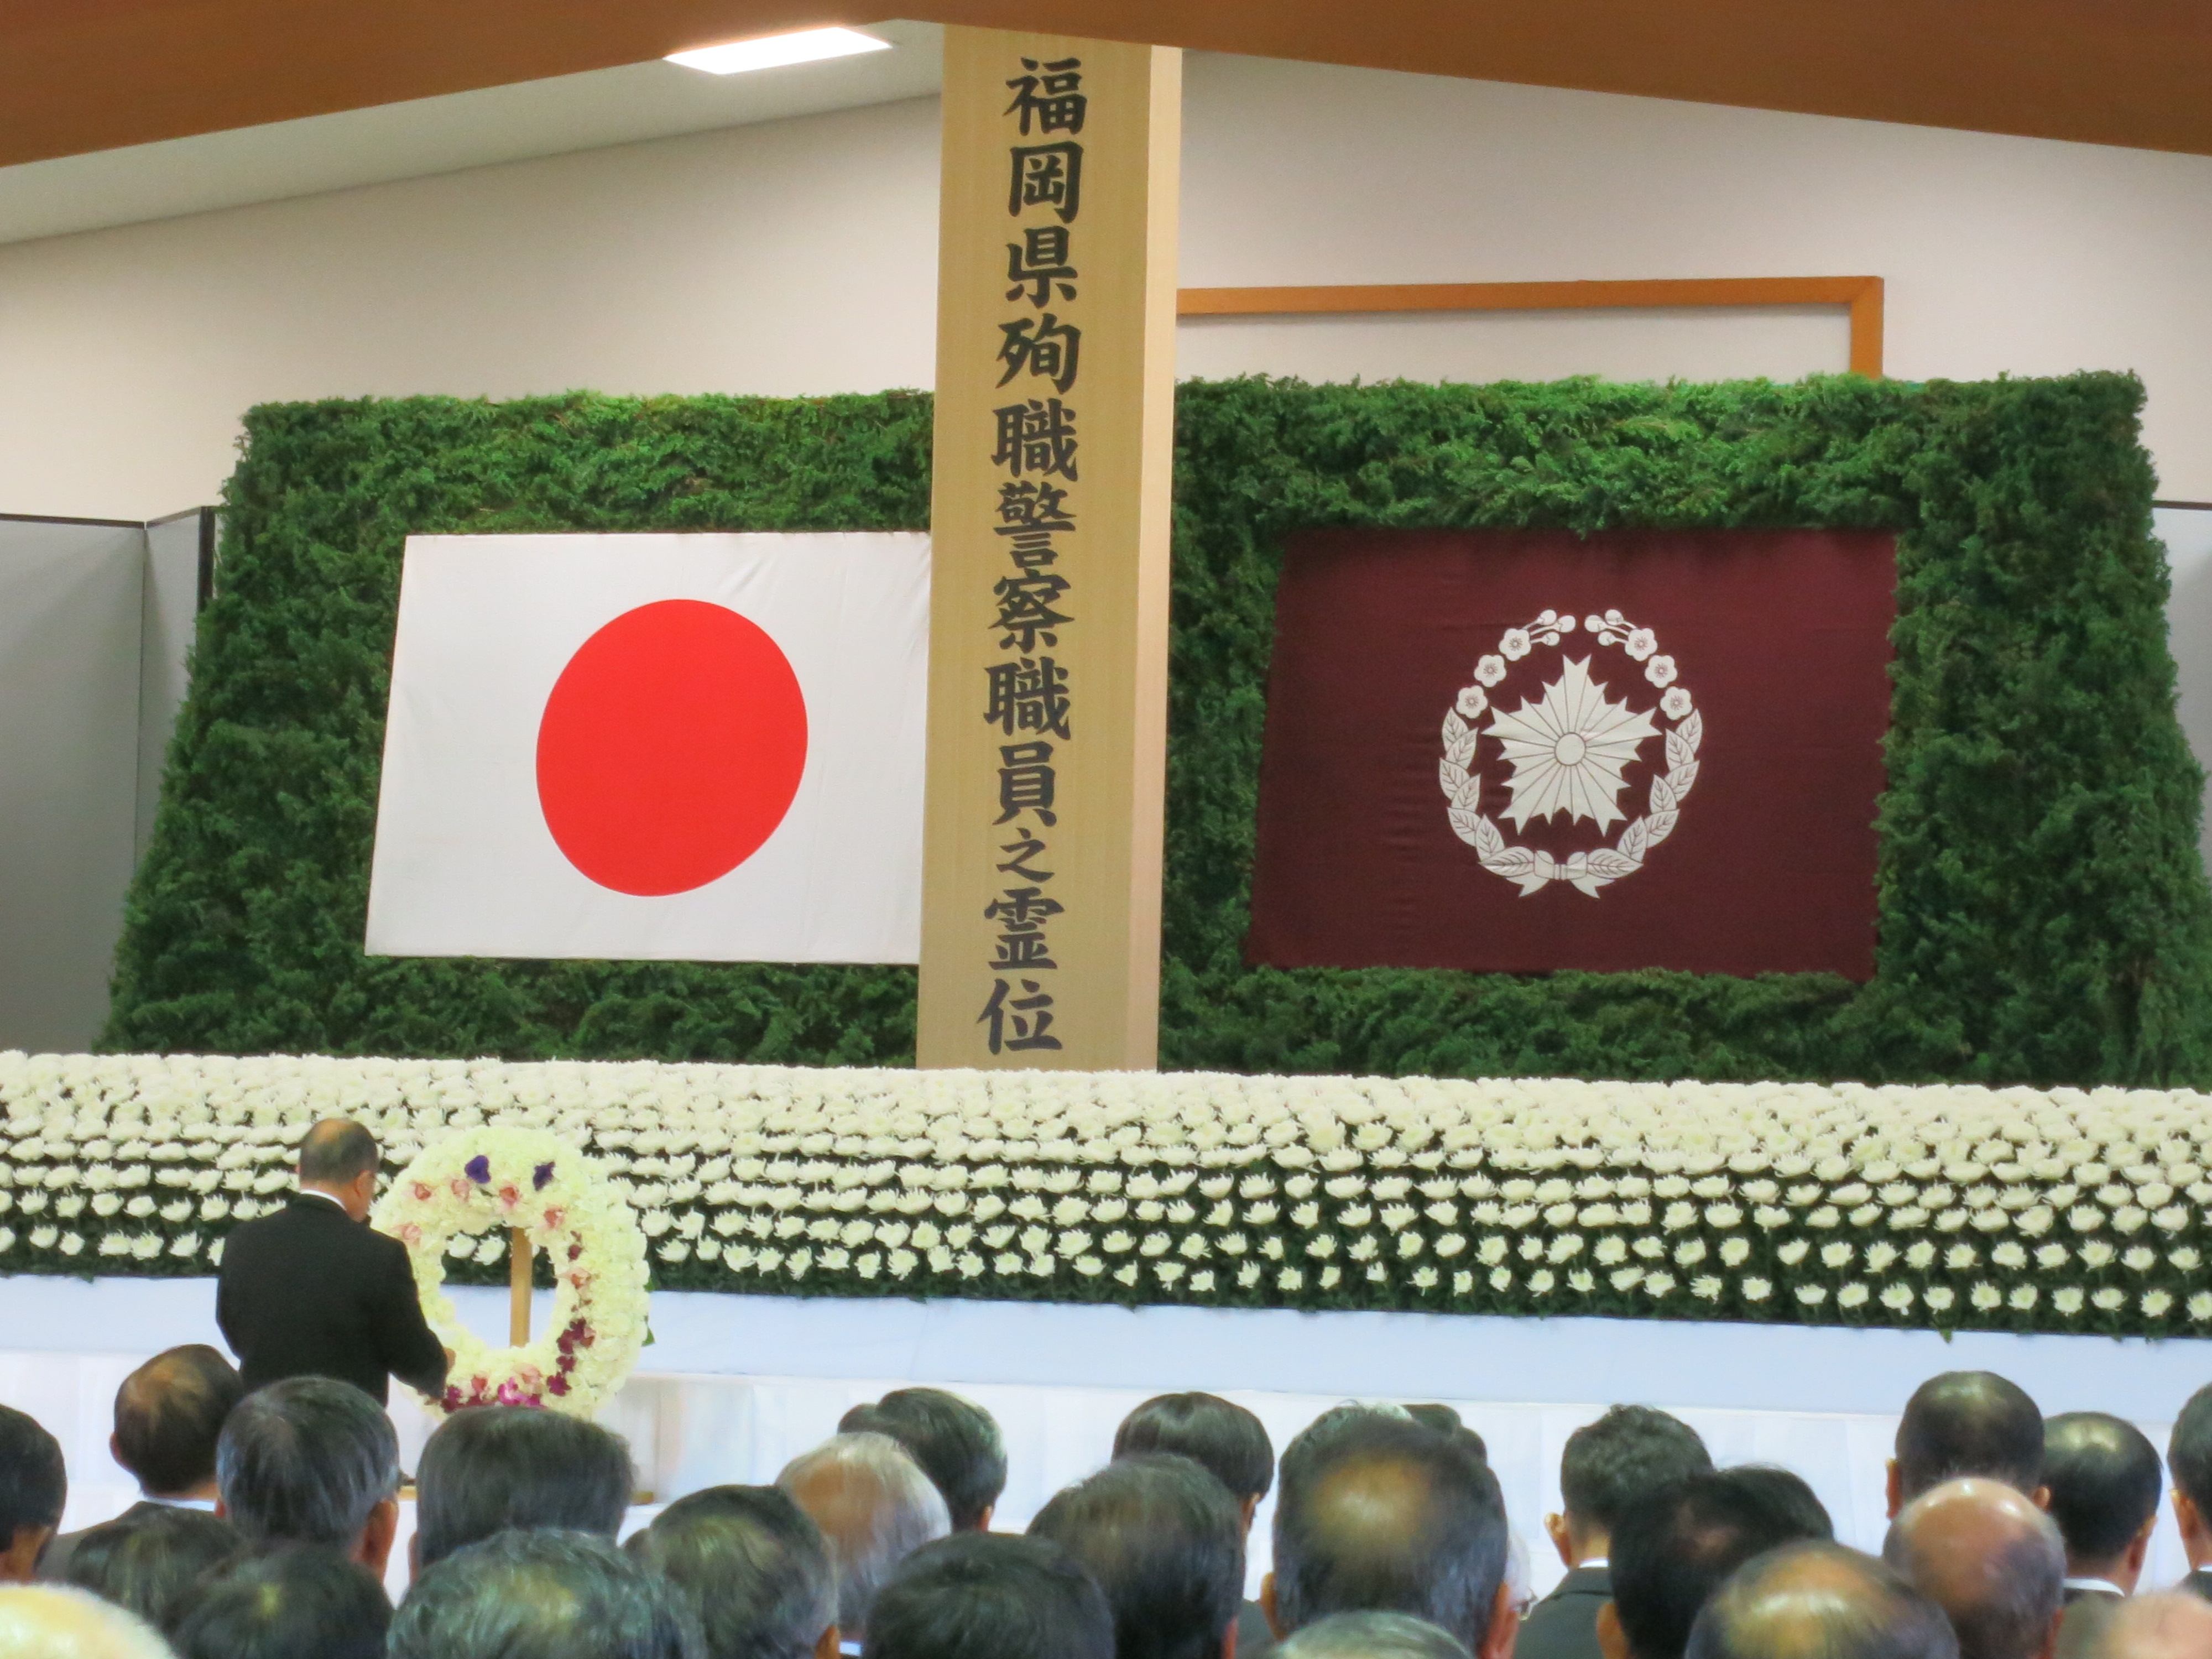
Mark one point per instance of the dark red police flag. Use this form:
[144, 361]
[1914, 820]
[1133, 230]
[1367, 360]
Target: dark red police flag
[1524, 750]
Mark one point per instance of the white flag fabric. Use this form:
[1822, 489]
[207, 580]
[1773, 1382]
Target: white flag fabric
[684, 747]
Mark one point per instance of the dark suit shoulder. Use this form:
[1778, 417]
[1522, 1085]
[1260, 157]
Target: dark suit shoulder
[1564, 1624]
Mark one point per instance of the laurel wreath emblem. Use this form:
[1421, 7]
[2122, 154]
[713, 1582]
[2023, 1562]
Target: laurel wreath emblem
[1529, 867]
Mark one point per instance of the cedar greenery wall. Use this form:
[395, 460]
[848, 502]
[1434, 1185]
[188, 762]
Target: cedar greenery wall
[2044, 916]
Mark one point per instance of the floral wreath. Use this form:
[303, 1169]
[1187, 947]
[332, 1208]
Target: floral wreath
[485, 1181]
[1527, 867]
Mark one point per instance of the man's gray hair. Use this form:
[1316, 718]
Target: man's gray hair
[1993, 1561]
[1372, 1636]
[875, 1507]
[547, 1594]
[1820, 1599]
[306, 1458]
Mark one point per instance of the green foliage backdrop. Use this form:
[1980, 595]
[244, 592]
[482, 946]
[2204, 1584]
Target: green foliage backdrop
[2044, 916]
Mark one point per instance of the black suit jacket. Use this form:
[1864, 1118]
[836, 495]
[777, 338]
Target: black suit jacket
[309, 1292]
[1564, 1624]
[54, 1560]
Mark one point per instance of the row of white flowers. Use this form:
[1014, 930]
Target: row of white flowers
[1947, 1206]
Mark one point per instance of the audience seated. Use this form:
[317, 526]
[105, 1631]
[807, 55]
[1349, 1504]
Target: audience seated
[984, 1596]
[148, 1556]
[492, 1468]
[2169, 1625]
[1967, 1424]
[57, 1621]
[755, 1570]
[287, 1601]
[34, 1492]
[1673, 1548]
[1230, 1442]
[543, 1595]
[1373, 1635]
[874, 1506]
[1165, 1540]
[1991, 1560]
[168, 1414]
[956, 1443]
[2189, 1459]
[1378, 1514]
[1820, 1600]
[1627, 1456]
[2103, 1476]
[312, 1461]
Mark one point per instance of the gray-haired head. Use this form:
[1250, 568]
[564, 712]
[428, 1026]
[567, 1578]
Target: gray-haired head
[755, 1568]
[547, 1595]
[1989, 1558]
[874, 1505]
[336, 1150]
[307, 1459]
[1372, 1636]
[1820, 1600]
[2169, 1624]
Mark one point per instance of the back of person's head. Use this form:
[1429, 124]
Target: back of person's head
[168, 1414]
[1213, 1432]
[1627, 1455]
[956, 1443]
[543, 1596]
[1377, 1514]
[34, 1492]
[336, 1150]
[874, 1506]
[1446, 1420]
[492, 1468]
[145, 1559]
[1165, 1541]
[756, 1569]
[985, 1595]
[287, 1601]
[2166, 1625]
[1989, 1558]
[1968, 1423]
[58, 1622]
[307, 1459]
[1820, 1600]
[2189, 1450]
[1372, 1636]
[2104, 1477]
[1671, 1548]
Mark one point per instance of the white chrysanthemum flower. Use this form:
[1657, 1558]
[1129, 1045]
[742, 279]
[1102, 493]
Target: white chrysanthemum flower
[1960, 1257]
[2023, 1297]
[1897, 1298]
[1689, 1252]
[1735, 1252]
[1792, 1252]
[2068, 1300]
[2155, 1304]
[1706, 1288]
[1853, 1295]
[1611, 1251]
[1986, 1295]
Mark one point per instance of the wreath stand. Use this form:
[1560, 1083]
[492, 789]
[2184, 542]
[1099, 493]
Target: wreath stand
[518, 1288]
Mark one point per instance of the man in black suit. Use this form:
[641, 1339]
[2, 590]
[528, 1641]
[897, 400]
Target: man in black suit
[1672, 1549]
[168, 1414]
[1627, 1456]
[312, 1292]
[2103, 1479]
[2189, 1460]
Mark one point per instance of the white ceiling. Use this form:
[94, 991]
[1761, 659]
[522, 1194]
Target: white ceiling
[442, 135]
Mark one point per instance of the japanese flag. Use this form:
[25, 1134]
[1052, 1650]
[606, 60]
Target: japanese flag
[689, 747]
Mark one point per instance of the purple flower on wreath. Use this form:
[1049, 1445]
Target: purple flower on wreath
[478, 1170]
[542, 1177]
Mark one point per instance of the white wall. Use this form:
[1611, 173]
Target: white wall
[798, 257]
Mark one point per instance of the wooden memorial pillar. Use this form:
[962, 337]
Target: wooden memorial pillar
[1048, 602]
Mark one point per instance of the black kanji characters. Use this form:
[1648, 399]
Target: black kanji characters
[1047, 175]
[1050, 94]
[1037, 436]
[1029, 695]
[1038, 264]
[1046, 347]
[1026, 781]
[1029, 1017]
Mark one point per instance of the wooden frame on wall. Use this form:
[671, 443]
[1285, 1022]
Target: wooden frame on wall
[1862, 295]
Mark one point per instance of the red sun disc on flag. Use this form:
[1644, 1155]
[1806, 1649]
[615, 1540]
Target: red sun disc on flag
[671, 748]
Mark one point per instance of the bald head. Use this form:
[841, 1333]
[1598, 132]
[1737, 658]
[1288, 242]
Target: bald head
[45, 1621]
[1990, 1559]
[336, 1150]
[1820, 1600]
[875, 1508]
[2171, 1624]
[168, 1414]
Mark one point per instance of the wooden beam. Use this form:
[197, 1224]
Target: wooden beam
[1862, 295]
[1053, 469]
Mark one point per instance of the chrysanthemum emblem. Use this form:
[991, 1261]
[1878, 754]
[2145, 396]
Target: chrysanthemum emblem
[1570, 751]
